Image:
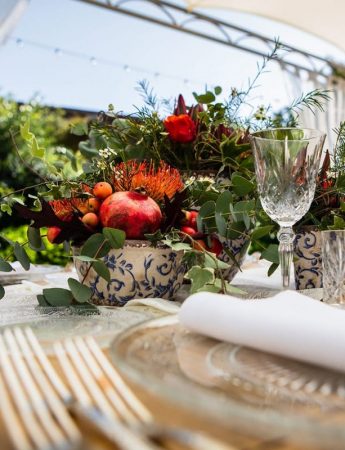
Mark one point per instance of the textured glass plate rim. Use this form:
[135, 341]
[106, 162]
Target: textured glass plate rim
[41, 269]
[192, 397]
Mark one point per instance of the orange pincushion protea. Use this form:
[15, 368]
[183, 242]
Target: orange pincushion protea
[65, 208]
[156, 182]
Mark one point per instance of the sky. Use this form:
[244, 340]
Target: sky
[118, 51]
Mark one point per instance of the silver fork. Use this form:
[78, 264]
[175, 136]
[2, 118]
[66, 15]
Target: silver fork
[32, 397]
[106, 400]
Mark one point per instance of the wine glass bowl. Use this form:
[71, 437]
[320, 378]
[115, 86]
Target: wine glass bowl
[286, 166]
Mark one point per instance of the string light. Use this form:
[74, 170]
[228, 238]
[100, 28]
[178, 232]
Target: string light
[101, 61]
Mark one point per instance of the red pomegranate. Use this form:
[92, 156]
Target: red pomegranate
[134, 213]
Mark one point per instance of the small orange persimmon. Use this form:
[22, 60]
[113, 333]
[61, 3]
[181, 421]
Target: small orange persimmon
[90, 219]
[102, 190]
[93, 204]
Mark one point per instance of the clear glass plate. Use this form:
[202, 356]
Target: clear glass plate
[51, 324]
[35, 273]
[262, 394]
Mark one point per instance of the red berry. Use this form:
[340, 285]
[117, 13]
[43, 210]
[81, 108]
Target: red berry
[188, 230]
[216, 246]
[53, 233]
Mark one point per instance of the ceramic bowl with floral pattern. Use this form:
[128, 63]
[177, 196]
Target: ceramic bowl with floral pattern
[138, 270]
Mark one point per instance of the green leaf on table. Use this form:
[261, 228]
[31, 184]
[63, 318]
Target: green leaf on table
[42, 300]
[96, 246]
[271, 253]
[5, 266]
[102, 270]
[2, 292]
[35, 240]
[80, 292]
[241, 185]
[261, 232]
[58, 296]
[200, 276]
[115, 237]
[21, 256]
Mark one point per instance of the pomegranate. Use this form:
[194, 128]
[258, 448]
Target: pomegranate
[134, 213]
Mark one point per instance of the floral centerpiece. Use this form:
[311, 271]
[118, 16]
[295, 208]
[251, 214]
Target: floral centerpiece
[181, 185]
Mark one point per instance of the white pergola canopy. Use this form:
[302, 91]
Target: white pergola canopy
[10, 12]
[324, 19]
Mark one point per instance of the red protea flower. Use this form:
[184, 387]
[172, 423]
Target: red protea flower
[180, 128]
[64, 209]
[155, 182]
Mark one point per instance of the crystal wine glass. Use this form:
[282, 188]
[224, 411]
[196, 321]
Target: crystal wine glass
[286, 165]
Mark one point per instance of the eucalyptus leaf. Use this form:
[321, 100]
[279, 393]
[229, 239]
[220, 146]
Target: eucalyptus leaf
[261, 232]
[115, 237]
[241, 185]
[5, 266]
[206, 211]
[80, 292]
[206, 98]
[271, 253]
[217, 90]
[85, 258]
[21, 256]
[35, 240]
[95, 246]
[273, 267]
[58, 296]
[102, 270]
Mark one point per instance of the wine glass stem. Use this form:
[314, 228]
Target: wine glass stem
[285, 237]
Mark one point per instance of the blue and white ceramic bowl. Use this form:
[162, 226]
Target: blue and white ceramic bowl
[308, 258]
[238, 249]
[138, 270]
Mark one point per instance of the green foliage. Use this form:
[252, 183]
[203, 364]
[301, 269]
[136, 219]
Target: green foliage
[53, 254]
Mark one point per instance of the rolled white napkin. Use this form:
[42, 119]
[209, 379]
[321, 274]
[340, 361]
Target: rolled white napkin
[289, 324]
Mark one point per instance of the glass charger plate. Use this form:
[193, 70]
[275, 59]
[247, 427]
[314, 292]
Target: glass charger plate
[51, 324]
[261, 394]
[35, 273]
